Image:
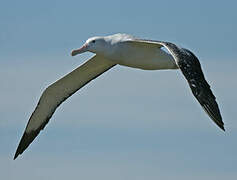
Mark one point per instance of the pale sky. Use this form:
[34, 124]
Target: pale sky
[128, 123]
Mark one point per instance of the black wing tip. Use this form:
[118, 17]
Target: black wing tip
[22, 145]
[216, 117]
[223, 128]
[25, 141]
[16, 155]
[218, 121]
[28, 138]
[221, 125]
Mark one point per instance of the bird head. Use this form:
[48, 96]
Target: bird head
[95, 44]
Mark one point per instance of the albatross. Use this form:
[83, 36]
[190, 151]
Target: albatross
[125, 50]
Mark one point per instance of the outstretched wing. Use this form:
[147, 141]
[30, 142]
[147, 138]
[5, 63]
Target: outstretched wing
[57, 93]
[191, 69]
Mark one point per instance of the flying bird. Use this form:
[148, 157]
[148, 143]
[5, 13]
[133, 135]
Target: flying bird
[125, 50]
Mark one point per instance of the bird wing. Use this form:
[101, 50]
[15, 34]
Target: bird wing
[191, 69]
[144, 43]
[57, 93]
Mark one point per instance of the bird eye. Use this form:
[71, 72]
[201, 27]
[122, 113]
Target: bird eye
[93, 41]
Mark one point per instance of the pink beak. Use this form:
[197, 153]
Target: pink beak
[80, 50]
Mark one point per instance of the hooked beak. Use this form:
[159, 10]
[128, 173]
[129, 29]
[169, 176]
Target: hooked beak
[80, 50]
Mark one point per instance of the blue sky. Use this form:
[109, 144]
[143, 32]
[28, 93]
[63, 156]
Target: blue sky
[128, 123]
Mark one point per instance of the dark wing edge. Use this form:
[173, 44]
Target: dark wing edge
[28, 138]
[192, 71]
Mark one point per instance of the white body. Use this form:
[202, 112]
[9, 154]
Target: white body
[123, 51]
[141, 57]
